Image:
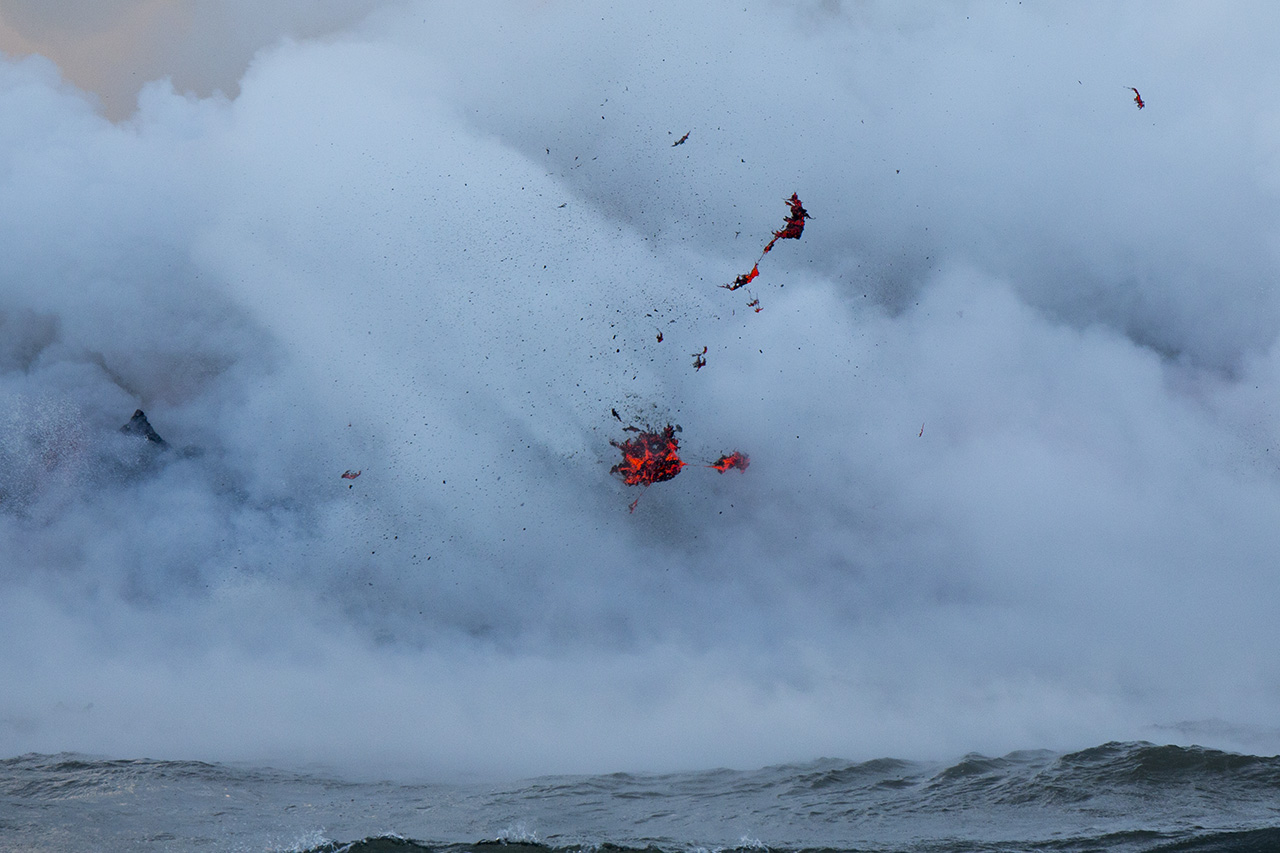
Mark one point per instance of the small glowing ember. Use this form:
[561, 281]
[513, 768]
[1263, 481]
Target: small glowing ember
[350, 475]
[732, 460]
[649, 457]
[745, 279]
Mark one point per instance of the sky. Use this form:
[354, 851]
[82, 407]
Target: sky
[1009, 401]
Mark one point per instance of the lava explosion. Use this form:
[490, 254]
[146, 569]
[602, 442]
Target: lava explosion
[649, 457]
[735, 459]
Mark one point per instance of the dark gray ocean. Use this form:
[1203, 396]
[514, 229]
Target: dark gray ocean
[1130, 797]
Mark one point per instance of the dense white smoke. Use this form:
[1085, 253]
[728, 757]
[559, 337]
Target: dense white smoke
[1009, 402]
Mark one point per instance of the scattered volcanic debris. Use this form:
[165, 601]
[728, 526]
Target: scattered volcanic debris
[351, 475]
[652, 456]
[735, 459]
[1137, 98]
[791, 231]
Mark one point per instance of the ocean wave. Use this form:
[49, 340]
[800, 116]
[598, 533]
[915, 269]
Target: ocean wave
[1117, 797]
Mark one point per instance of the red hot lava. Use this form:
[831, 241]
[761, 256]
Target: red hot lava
[733, 460]
[649, 457]
[744, 279]
[795, 223]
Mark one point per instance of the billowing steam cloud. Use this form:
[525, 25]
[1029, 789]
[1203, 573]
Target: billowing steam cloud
[1010, 404]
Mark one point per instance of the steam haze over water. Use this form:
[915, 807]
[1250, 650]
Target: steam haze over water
[1010, 403]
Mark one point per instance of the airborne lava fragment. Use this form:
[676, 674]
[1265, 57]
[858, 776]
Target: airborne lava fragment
[795, 223]
[744, 279]
[649, 457]
[791, 231]
[735, 459]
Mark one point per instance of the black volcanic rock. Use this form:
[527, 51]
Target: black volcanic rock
[139, 425]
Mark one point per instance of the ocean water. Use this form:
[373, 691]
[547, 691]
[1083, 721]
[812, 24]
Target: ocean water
[1133, 797]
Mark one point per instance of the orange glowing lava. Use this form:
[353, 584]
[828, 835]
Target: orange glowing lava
[649, 457]
[735, 459]
[795, 223]
[745, 279]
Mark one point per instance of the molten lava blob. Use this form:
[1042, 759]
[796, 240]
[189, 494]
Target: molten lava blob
[795, 223]
[649, 457]
[744, 279]
[732, 460]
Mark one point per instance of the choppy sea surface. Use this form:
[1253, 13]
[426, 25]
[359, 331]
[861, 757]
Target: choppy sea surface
[1115, 797]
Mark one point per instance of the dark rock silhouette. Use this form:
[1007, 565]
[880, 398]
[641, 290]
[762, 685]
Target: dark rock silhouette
[139, 425]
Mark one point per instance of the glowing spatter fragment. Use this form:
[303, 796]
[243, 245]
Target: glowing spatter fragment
[649, 457]
[745, 279]
[350, 475]
[795, 224]
[735, 459]
[1137, 98]
[791, 231]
